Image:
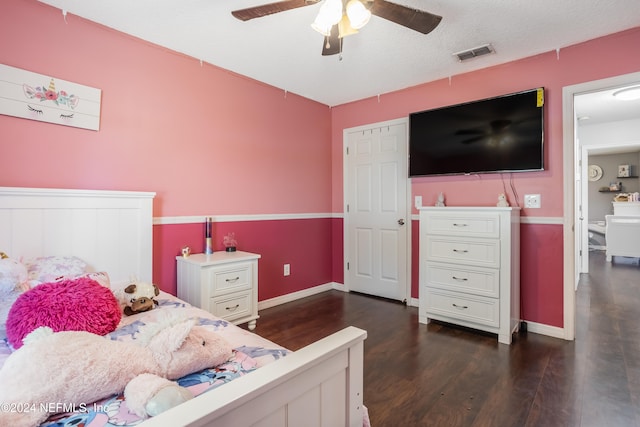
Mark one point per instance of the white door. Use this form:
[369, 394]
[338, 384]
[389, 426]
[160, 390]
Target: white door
[581, 215]
[376, 204]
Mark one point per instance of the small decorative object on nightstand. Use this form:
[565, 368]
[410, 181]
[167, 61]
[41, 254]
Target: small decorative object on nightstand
[208, 236]
[230, 242]
[502, 201]
[223, 283]
[440, 202]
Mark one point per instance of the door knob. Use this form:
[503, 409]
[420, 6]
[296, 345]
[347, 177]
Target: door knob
[401, 221]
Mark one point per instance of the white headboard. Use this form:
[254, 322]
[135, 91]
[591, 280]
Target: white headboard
[110, 230]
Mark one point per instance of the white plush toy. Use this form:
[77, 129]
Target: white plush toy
[502, 201]
[78, 367]
[13, 282]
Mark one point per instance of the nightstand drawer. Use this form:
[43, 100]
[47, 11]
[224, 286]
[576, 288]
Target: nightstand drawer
[483, 311]
[231, 307]
[480, 252]
[471, 280]
[461, 224]
[229, 279]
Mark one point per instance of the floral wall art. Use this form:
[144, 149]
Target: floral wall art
[47, 99]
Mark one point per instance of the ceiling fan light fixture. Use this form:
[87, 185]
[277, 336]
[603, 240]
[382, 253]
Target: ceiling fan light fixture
[628, 94]
[358, 14]
[345, 28]
[329, 15]
[323, 29]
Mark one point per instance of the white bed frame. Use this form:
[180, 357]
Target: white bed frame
[319, 385]
[623, 236]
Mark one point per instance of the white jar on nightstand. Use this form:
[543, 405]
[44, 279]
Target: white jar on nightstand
[223, 283]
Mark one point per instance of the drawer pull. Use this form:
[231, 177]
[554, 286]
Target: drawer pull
[461, 307]
[235, 279]
[459, 279]
[456, 224]
[460, 251]
[234, 308]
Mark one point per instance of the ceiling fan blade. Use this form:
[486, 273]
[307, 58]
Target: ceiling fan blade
[470, 132]
[270, 8]
[473, 140]
[423, 22]
[333, 43]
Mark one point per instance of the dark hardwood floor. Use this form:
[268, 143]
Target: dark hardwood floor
[440, 375]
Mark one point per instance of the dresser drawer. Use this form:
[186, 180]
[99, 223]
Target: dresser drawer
[479, 252]
[463, 224]
[232, 306]
[475, 309]
[471, 280]
[223, 280]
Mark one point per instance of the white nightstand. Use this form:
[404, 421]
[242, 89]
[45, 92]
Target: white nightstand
[223, 283]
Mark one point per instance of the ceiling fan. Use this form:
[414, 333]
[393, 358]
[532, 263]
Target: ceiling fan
[340, 18]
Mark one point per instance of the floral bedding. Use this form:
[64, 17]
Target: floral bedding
[250, 352]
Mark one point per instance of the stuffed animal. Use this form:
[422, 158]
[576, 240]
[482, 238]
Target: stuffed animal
[89, 367]
[140, 297]
[502, 201]
[13, 283]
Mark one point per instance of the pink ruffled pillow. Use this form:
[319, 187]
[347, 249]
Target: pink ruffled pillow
[80, 304]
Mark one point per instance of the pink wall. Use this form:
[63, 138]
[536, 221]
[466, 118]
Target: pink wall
[542, 270]
[208, 141]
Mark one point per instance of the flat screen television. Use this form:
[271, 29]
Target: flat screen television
[501, 134]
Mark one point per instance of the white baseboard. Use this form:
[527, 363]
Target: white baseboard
[299, 294]
[414, 302]
[551, 331]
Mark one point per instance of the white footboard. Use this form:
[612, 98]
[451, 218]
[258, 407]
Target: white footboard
[318, 385]
[623, 236]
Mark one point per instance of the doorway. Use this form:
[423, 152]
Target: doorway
[575, 176]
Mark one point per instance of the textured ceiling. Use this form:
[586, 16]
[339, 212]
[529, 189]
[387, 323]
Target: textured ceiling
[282, 50]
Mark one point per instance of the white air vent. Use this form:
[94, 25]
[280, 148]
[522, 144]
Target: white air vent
[465, 55]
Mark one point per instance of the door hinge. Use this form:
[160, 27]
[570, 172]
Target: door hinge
[347, 208]
[347, 265]
[347, 150]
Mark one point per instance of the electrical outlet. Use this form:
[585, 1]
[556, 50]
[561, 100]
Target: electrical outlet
[531, 200]
[287, 269]
[418, 202]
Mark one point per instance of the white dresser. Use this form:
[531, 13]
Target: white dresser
[626, 208]
[470, 268]
[223, 283]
